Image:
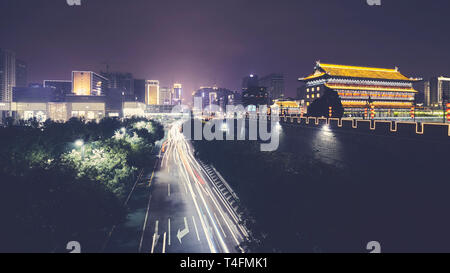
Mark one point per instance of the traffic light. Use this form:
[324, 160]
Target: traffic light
[330, 111]
[413, 111]
[448, 112]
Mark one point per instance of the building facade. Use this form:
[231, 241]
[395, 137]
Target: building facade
[438, 91]
[64, 86]
[215, 96]
[251, 80]
[359, 88]
[87, 83]
[274, 84]
[252, 93]
[177, 94]
[152, 92]
[165, 95]
[21, 73]
[124, 81]
[7, 74]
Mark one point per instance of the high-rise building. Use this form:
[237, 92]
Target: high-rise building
[250, 81]
[274, 83]
[64, 86]
[165, 94]
[152, 92]
[427, 94]
[21, 73]
[252, 93]
[87, 83]
[438, 89]
[139, 90]
[215, 96]
[122, 81]
[7, 74]
[255, 96]
[177, 93]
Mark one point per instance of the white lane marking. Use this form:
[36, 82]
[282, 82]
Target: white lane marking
[202, 222]
[195, 226]
[155, 236]
[169, 233]
[217, 219]
[145, 224]
[195, 162]
[226, 222]
[164, 243]
[184, 232]
[221, 241]
[168, 189]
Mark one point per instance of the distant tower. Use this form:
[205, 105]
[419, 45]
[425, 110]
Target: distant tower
[250, 81]
[21, 73]
[177, 93]
[7, 74]
[152, 92]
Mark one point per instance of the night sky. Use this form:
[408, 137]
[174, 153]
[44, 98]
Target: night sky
[202, 42]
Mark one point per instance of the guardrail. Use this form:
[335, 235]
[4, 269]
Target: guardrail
[399, 128]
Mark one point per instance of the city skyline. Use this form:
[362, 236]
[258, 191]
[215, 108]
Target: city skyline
[249, 128]
[198, 48]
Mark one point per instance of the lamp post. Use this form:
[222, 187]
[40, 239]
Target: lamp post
[444, 99]
[80, 144]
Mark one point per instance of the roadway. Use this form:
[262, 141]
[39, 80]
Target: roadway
[185, 212]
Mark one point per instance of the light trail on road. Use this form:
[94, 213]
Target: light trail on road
[193, 196]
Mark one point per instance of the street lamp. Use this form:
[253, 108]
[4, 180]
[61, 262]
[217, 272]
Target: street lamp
[80, 144]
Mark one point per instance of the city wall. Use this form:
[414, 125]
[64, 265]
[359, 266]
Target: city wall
[378, 127]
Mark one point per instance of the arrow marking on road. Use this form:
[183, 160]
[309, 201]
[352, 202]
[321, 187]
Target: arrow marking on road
[184, 232]
[155, 237]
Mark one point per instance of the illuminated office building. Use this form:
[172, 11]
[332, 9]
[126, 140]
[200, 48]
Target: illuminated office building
[152, 92]
[437, 90]
[7, 74]
[87, 83]
[215, 96]
[177, 93]
[165, 94]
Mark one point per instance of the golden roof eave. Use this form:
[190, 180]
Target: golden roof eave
[346, 71]
[362, 88]
[312, 76]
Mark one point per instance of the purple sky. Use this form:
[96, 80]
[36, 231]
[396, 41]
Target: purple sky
[201, 42]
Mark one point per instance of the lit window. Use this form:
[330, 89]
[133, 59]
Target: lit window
[313, 89]
[307, 90]
[318, 88]
[307, 96]
[318, 95]
[307, 103]
[312, 96]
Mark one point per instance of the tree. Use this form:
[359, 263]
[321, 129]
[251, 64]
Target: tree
[321, 106]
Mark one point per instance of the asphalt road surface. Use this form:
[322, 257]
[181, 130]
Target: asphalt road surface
[185, 212]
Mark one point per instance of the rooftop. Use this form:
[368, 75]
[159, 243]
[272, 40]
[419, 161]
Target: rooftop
[356, 72]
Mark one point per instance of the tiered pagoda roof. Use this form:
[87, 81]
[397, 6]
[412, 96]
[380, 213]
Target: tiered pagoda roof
[346, 71]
